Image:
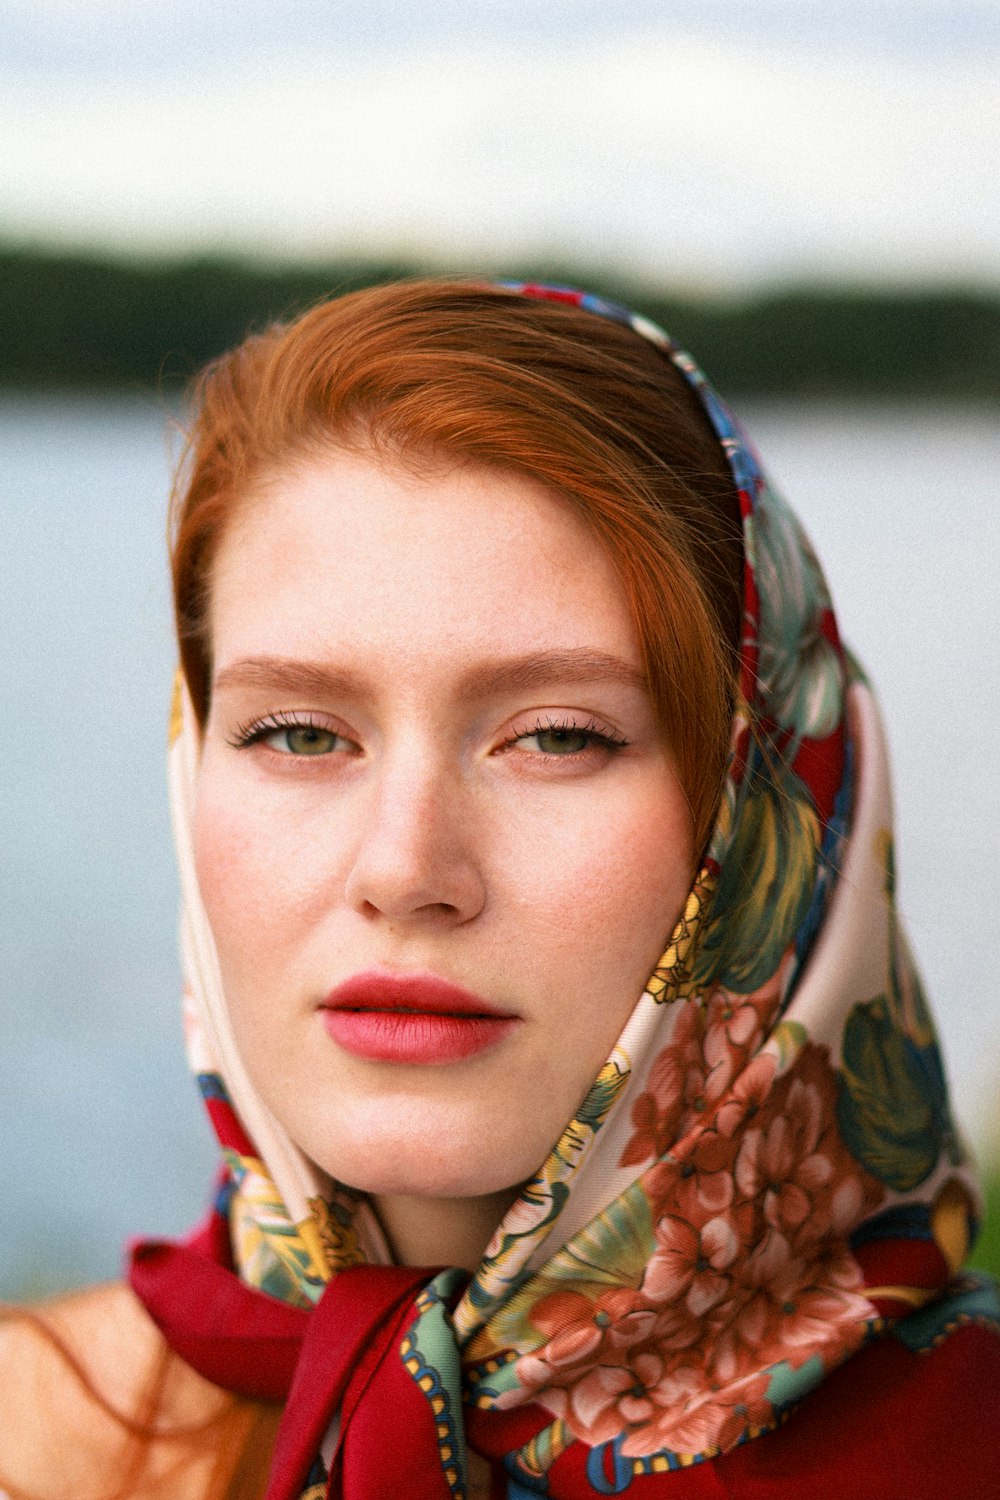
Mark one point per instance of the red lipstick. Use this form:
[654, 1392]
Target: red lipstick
[411, 1018]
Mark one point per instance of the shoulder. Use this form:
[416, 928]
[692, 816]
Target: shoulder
[92, 1367]
[916, 1413]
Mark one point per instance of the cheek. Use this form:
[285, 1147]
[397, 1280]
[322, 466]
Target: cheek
[248, 875]
[223, 860]
[601, 891]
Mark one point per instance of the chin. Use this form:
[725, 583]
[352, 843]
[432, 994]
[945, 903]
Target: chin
[411, 1168]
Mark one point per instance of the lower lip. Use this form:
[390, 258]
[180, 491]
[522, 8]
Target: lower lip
[423, 1038]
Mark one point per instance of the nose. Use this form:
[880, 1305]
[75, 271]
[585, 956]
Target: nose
[415, 859]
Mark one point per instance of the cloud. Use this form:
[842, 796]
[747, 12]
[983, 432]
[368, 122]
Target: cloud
[671, 152]
[109, 37]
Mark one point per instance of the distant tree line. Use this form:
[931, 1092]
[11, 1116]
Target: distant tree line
[75, 320]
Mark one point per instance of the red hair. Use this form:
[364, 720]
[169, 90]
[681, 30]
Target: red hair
[479, 374]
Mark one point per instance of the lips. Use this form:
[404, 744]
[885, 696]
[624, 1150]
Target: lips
[417, 1019]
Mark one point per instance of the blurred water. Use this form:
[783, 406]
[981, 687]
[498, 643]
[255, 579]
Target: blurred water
[101, 1134]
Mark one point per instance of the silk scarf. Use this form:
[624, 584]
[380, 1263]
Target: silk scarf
[763, 1177]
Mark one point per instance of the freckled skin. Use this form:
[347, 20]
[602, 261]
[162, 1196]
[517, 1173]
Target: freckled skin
[443, 828]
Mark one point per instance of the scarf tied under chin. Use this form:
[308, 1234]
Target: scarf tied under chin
[356, 1425]
[339, 1360]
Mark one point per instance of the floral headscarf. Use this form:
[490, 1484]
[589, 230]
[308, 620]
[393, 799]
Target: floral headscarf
[762, 1178]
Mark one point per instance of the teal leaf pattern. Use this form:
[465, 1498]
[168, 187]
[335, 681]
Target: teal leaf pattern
[801, 673]
[766, 882]
[892, 1104]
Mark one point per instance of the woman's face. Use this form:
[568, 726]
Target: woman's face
[431, 756]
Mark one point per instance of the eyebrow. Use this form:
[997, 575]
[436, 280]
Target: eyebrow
[509, 674]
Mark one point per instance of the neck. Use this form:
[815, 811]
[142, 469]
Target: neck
[441, 1231]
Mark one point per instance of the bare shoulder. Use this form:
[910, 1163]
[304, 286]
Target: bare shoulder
[88, 1367]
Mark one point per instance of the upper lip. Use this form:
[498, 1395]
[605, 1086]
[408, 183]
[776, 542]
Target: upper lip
[426, 994]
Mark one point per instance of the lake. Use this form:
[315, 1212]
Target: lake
[101, 1133]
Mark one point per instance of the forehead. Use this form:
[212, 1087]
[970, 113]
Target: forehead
[345, 551]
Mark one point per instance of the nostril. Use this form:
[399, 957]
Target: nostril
[425, 911]
[420, 871]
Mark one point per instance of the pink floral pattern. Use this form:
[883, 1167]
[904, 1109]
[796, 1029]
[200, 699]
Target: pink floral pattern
[711, 1047]
[748, 1268]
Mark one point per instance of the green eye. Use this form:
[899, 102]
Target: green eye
[562, 741]
[305, 739]
[554, 740]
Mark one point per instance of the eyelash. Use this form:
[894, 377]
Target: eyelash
[596, 737]
[259, 729]
[256, 730]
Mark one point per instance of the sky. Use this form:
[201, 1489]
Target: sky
[713, 144]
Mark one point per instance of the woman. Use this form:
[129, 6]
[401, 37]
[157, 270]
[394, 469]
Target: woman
[583, 1125]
